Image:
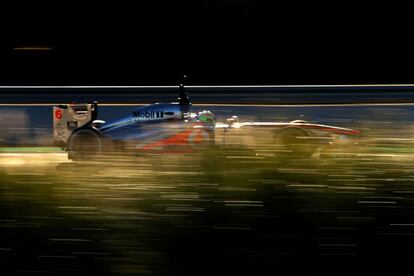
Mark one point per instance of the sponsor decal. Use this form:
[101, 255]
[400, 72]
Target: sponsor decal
[149, 114]
[72, 124]
[182, 142]
[58, 114]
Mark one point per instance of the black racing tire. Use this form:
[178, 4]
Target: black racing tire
[292, 143]
[85, 144]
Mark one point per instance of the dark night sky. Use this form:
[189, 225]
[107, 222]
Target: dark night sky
[216, 42]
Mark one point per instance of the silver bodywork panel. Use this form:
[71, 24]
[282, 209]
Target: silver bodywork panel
[70, 117]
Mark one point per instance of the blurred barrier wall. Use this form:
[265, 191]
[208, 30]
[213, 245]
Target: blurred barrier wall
[276, 94]
[26, 113]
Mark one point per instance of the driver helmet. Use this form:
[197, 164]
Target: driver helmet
[206, 117]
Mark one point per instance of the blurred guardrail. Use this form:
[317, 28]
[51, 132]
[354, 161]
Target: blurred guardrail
[265, 94]
[26, 111]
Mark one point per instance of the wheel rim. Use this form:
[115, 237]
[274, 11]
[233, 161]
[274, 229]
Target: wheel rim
[290, 141]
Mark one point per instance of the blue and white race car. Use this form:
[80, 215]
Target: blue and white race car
[175, 128]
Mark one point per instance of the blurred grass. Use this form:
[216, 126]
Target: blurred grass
[29, 149]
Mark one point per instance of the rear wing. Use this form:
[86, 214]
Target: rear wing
[69, 117]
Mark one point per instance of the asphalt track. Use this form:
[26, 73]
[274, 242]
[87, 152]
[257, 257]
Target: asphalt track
[214, 212]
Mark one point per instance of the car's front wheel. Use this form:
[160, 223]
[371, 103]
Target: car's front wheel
[293, 143]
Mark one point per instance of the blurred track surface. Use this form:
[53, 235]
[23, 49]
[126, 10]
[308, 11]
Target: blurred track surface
[212, 212]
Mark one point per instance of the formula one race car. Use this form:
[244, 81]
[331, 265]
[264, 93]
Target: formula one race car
[175, 128]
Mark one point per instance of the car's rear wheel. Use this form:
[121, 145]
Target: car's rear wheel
[85, 144]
